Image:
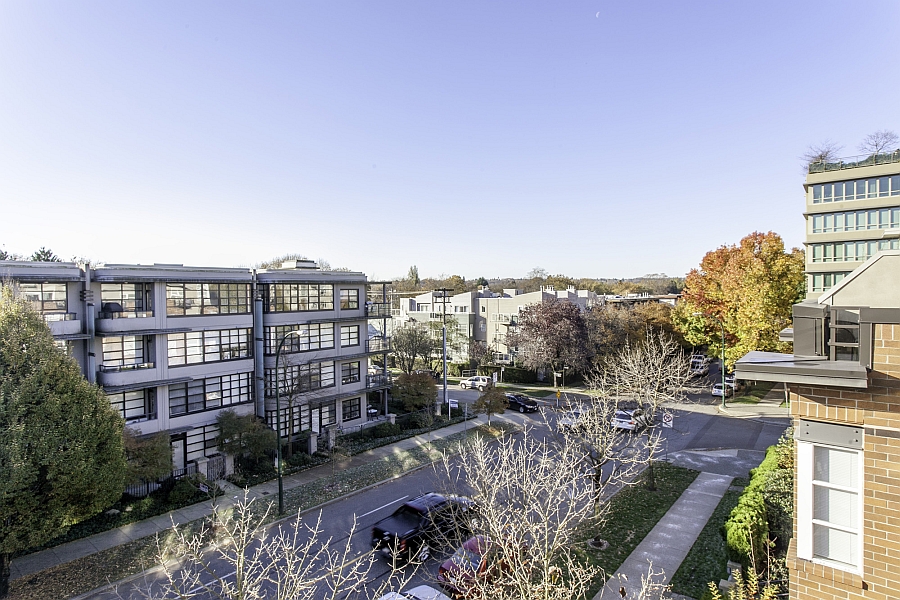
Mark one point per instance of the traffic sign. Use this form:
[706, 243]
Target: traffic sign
[453, 403]
[557, 394]
[668, 418]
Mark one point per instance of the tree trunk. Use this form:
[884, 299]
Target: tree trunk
[290, 437]
[5, 559]
[651, 478]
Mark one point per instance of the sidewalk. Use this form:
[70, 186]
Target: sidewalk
[45, 559]
[667, 544]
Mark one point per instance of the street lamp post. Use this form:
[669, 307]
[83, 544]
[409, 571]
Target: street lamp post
[722, 325]
[278, 419]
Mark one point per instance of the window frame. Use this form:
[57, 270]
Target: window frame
[806, 507]
[352, 300]
[347, 409]
[236, 388]
[211, 298]
[352, 375]
[202, 347]
[352, 333]
[298, 297]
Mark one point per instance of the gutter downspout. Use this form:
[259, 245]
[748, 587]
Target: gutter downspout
[258, 362]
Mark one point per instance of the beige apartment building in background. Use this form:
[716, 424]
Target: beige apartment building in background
[852, 212]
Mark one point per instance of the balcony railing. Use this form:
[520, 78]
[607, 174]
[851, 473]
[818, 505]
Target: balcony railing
[57, 317]
[853, 162]
[378, 380]
[128, 367]
[378, 310]
[138, 314]
[378, 344]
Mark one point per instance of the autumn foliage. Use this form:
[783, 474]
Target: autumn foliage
[751, 287]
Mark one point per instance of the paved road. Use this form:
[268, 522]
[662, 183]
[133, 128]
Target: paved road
[700, 438]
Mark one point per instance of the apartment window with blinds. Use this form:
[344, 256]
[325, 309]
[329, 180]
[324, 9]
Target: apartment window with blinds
[349, 335]
[187, 299]
[46, 298]
[300, 378]
[299, 297]
[313, 336]
[195, 347]
[829, 505]
[210, 393]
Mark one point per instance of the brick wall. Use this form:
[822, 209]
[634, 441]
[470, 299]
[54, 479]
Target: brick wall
[877, 409]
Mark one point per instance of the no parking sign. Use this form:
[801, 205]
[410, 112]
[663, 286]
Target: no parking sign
[668, 419]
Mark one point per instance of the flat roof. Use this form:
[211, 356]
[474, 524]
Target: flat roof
[812, 370]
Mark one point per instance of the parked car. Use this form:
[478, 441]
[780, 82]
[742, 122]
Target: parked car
[569, 420]
[717, 390]
[418, 525]
[521, 403]
[422, 592]
[479, 382]
[433, 374]
[631, 420]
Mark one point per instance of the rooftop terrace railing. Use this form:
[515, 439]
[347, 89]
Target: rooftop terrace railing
[852, 162]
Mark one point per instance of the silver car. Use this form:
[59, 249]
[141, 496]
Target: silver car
[479, 382]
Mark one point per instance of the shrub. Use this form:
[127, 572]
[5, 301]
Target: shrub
[183, 492]
[415, 391]
[510, 374]
[747, 530]
[383, 430]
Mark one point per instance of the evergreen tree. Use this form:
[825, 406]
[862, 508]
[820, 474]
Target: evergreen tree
[61, 453]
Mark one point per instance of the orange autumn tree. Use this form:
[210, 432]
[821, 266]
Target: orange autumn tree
[751, 287]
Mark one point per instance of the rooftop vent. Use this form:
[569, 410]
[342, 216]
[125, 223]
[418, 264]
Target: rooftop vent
[299, 264]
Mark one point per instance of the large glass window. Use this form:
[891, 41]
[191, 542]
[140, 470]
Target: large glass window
[857, 189]
[349, 373]
[126, 300]
[210, 393]
[299, 297]
[135, 406]
[196, 347]
[844, 335]
[350, 409]
[184, 299]
[127, 352]
[349, 299]
[349, 335]
[859, 251]
[822, 282]
[856, 220]
[302, 378]
[829, 504]
[46, 298]
[312, 336]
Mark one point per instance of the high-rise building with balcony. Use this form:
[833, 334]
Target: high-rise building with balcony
[852, 212]
[173, 346]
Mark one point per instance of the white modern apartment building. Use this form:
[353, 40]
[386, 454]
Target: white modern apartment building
[173, 346]
[852, 213]
[485, 316]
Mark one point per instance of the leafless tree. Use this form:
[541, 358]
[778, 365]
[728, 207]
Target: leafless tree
[611, 457]
[652, 373]
[532, 496]
[879, 142]
[826, 151]
[250, 560]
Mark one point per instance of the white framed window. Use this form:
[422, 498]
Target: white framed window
[830, 505]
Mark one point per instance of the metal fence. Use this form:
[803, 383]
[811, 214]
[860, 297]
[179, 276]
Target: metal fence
[215, 467]
[852, 162]
[164, 484]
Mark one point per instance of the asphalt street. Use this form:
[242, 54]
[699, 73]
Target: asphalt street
[698, 436]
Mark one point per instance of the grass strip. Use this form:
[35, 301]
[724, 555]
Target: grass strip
[753, 394]
[633, 512]
[708, 557]
[99, 569]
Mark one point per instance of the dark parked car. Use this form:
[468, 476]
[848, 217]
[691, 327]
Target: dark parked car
[421, 524]
[521, 403]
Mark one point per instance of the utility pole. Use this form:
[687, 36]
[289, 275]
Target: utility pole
[443, 292]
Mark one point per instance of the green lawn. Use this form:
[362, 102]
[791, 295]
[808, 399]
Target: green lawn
[752, 394]
[633, 512]
[708, 556]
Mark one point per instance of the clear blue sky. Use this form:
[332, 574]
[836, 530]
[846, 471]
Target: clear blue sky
[595, 139]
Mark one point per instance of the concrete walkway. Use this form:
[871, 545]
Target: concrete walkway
[667, 544]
